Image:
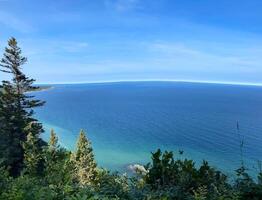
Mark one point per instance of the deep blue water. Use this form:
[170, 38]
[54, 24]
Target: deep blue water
[126, 121]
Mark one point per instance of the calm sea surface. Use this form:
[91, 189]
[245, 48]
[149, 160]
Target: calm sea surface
[126, 121]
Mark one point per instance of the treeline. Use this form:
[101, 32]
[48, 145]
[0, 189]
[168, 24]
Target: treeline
[32, 169]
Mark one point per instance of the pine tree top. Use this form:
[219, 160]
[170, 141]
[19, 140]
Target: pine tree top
[13, 60]
[84, 148]
[83, 144]
[53, 139]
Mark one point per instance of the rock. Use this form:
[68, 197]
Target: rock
[138, 169]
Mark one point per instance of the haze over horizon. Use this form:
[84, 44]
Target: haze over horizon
[111, 40]
[152, 81]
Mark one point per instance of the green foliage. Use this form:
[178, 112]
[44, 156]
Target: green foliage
[26, 188]
[112, 185]
[32, 153]
[52, 155]
[4, 180]
[16, 109]
[246, 186]
[83, 159]
[57, 171]
[200, 193]
[183, 178]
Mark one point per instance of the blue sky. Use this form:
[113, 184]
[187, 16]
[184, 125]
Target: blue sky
[111, 40]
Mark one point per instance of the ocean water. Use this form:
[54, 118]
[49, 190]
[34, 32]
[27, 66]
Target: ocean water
[126, 121]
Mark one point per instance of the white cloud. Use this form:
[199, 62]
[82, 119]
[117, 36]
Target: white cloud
[185, 56]
[52, 47]
[174, 49]
[73, 46]
[123, 5]
[15, 22]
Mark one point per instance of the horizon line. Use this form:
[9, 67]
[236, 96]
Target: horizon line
[154, 80]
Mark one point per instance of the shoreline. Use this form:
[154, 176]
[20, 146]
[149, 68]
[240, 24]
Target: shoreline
[41, 89]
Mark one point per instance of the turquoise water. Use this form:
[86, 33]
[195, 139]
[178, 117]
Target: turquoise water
[126, 121]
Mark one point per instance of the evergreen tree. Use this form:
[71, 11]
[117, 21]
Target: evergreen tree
[56, 169]
[52, 145]
[32, 153]
[16, 109]
[83, 159]
[51, 152]
[9, 149]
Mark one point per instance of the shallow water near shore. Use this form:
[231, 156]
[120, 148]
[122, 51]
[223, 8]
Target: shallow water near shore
[127, 120]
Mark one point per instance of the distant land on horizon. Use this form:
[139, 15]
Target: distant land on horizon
[42, 88]
[48, 85]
